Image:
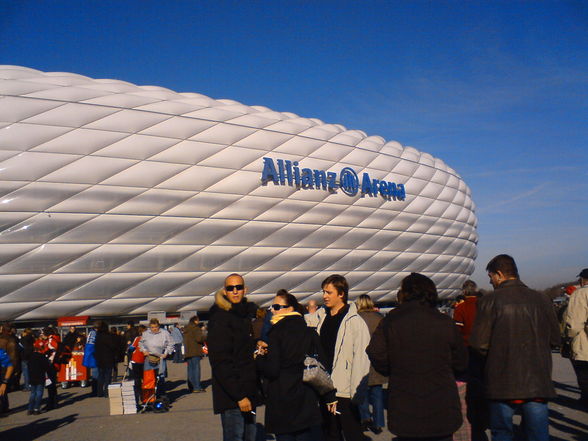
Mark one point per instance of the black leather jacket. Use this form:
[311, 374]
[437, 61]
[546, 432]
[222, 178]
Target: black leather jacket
[515, 329]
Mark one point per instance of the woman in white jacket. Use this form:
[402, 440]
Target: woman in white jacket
[344, 337]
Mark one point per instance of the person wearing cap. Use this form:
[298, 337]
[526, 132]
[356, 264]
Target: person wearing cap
[515, 330]
[576, 320]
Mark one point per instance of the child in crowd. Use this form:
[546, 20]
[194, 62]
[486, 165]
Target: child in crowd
[39, 367]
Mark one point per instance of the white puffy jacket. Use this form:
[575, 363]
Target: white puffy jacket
[351, 364]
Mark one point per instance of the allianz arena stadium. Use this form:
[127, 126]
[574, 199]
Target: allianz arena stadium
[118, 199]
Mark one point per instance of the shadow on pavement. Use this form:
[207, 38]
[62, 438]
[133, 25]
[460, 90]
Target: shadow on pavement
[566, 387]
[36, 428]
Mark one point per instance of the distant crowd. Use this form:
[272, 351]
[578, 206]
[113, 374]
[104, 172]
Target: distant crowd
[322, 370]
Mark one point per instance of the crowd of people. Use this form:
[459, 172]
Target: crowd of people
[448, 377]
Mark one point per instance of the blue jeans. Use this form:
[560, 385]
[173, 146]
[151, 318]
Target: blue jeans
[178, 357]
[238, 426]
[375, 397]
[535, 420]
[25, 373]
[36, 396]
[194, 372]
[104, 378]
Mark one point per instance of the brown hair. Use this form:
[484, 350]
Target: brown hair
[339, 283]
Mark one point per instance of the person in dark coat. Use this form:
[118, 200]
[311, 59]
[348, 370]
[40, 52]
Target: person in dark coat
[292, 406]
[419, 349]
[515, 329]
[194, 339]
[106, 351]
[27, 341]
[230, 349]
[39, 368]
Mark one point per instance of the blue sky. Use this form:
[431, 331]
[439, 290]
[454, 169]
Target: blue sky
[497, 89]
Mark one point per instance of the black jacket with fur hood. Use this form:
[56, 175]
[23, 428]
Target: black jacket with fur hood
[230, 349]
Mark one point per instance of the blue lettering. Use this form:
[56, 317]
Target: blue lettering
[366, 184]
[288, 172]
[320, 179]
[282, 176]
[400, 192]
[307, 178]
[296, 174]
[392, 190]
[269, 171]
[384, 189]
[332, 180]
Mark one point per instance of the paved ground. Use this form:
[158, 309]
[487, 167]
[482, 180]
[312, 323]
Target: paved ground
[83, 418]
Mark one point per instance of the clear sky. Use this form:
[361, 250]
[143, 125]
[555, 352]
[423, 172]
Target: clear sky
[497, 89]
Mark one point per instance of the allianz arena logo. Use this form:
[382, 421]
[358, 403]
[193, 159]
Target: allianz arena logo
[285, 172]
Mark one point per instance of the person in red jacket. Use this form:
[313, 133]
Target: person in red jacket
[477, 407]
[464, 313]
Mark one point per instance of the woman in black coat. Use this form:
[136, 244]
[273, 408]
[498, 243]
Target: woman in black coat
[105, 352]
[420, 349]
[292, 409]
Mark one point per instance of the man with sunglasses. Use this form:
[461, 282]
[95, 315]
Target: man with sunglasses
[230, 349]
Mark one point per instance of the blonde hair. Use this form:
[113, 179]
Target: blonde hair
[364, 303]
[221, 301]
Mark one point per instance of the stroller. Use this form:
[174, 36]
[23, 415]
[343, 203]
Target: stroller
[149, 392]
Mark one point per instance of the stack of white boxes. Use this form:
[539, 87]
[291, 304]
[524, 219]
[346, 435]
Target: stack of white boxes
[115, 398]
[122, 398]
[128, 397]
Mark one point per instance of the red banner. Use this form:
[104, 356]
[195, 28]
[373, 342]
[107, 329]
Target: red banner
[81, 320]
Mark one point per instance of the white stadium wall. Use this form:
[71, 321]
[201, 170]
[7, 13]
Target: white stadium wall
[119, 199]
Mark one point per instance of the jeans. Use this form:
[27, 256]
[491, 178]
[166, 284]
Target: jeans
[375, 397]
[104, 378]
[178, 357]
[25, 373]
[535, 421]
[194, 372]
[238, 426]
[36, 396]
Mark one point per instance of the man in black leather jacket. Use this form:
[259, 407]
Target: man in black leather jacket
[515, 329]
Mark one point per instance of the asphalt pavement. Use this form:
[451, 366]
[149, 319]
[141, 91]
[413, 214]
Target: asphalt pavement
[84, 418]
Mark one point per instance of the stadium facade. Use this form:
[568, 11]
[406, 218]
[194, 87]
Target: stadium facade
[118, 199]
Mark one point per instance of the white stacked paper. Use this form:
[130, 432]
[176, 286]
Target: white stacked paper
[115, 399]
[129, 402]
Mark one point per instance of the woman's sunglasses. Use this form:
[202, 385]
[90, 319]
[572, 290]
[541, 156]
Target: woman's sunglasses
[277, 307]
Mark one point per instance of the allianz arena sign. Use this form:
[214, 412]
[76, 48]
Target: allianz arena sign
[288, 172]
[118, 199]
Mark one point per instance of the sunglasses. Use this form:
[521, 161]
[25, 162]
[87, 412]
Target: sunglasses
[277, 307]
[231, 288]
